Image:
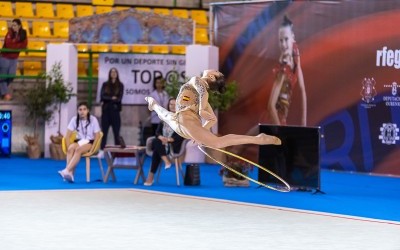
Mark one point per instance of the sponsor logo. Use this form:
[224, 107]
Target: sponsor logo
[389, 133]
[368, 91]
[394, 99]
[388, 58]
[394, 88]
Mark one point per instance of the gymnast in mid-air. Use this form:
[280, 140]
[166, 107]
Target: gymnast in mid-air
[192, 105]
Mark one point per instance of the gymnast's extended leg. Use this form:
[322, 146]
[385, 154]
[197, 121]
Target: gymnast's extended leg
[162, 113]
[204, 136]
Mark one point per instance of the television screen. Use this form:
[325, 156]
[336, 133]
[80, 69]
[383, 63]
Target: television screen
[296, 160]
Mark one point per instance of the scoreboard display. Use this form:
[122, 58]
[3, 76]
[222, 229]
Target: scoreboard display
[5, 132]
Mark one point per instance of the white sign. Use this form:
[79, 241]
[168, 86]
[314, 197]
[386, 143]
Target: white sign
[137, 72]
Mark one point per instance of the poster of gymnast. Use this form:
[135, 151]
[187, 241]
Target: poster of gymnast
[137, 72]
[348, 55]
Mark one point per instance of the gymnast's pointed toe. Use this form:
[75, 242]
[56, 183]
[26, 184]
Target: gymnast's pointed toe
[276, 141]
[150, 100]
[268, 139]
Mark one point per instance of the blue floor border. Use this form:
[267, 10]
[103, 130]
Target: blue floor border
[352, 194]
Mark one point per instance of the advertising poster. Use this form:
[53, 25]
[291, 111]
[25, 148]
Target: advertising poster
[333, 64]
[137, 72]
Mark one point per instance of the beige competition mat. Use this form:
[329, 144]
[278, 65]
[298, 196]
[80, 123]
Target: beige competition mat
[138, 219]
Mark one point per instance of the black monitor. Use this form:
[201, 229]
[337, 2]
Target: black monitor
[297, 160]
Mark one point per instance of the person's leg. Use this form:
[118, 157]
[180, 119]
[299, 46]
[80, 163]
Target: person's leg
[79, 151]
[70, 151]
[12, 69]
[155, 161]
[105, 126]
[205, 137]
[159, 151]
[3, 71]
[239, 149]
[3, 88]
[154, 127]
[192, 127]
[150, 179]
[116, 126]
[159, 154]
[68, 172]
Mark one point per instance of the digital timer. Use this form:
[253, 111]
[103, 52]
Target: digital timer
[5, 115]
[5, 132]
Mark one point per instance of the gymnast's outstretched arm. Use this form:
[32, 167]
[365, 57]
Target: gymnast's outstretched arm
[205, 110]
[209, 116]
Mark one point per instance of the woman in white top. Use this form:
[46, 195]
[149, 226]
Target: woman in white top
[161, 97]
[88, 130]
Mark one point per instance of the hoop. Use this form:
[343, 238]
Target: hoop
[287, 189]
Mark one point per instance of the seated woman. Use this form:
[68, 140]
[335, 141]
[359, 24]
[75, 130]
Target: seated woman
[165, 139]
[192, 105]
[88, 130]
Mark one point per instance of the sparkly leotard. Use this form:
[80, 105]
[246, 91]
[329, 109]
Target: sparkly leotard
[192, 98]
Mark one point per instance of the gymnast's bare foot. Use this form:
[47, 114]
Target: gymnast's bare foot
[151, 102]
[268, 139]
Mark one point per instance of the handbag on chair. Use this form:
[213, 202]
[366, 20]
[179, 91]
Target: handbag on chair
[192, 175]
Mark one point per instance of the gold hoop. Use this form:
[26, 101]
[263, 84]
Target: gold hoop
[287, 189]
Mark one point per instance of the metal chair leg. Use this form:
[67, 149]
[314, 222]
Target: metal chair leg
[87, 168]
